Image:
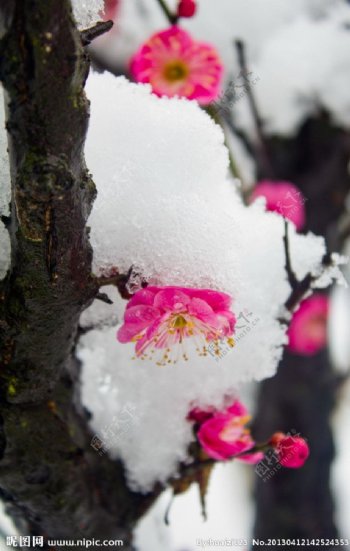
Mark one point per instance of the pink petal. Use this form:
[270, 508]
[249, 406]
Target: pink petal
[143, 296]
[237, 409]
[251, 458]
[136, 319]
[171, 298]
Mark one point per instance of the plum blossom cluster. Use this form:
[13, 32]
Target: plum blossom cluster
[188, 233]
[224, 435]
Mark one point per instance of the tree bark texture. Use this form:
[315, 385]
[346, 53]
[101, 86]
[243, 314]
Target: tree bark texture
[49, 474]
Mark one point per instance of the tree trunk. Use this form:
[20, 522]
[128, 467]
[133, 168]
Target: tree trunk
[49, 474]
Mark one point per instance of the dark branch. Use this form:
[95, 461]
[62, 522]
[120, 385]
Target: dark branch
[290, 273]
[88, 35]
[171, 17]
[262, 150]
[103, 297]
[305, 285]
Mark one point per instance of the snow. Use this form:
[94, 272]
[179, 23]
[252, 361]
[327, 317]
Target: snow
[5, 192]
[166, 207]
[87, 12]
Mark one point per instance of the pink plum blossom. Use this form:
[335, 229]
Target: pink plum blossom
[224, 435]
[292, 451]
[284, 198]
[164, 317]
[176, 65]
[308, 329]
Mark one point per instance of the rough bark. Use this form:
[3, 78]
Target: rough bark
[302, 396]
[49, 474]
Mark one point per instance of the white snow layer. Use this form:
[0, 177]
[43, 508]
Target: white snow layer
[87, 12]
[166, 207]
[5, 192]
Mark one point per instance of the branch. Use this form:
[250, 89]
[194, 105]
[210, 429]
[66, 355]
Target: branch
[305, 285]
[262, 152]
[299, 288]
[88, 35]
[293, 281]
[171, 17]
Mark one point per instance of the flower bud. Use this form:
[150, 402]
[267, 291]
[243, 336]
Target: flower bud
[292, 451]
[186, 8]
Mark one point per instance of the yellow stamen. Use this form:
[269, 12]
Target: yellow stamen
[175, 71]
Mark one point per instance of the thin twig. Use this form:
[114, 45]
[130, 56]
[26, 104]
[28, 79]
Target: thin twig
[192, 468]
[302, 287]
[293, 281]
[118, 280]
[262, 152]
[103, 297]
[88, 35]
[172, 18]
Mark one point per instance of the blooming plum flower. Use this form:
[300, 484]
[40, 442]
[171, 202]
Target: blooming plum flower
[284, 198]
[308, 329]
[164, 317]
[292, 451]
[224, 435]
[176, 65]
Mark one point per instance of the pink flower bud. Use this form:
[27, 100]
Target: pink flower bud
[186, 8]
[224, 435]
[292, 451]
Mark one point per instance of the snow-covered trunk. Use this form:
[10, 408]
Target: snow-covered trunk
[302, 395]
